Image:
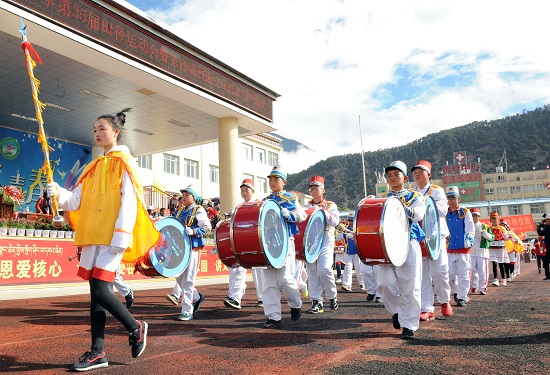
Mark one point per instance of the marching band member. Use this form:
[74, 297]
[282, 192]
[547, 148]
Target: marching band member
[237, 275]
[111, 224]
[461, 238]
[196, 223]
[434, 271]
[282, 278]
[400, 286]
[497, 250]
[351, 259]
[320, 272]
[479, 254]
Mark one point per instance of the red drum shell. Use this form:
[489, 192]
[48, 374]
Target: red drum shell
[299, 237]
[223, 244]
[259, 234]
[381, 231]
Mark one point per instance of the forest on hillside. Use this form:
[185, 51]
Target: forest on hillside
[525, 137]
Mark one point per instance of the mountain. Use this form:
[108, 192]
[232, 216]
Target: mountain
[290, 145]
[524, 136]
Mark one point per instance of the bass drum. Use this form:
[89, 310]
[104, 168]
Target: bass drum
[311, 235]
[172, 253]
[223, 244]
[381, 230]
[259, 234]
[430, 246]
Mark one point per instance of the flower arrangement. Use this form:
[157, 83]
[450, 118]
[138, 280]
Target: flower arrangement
[12, 194]
[4, 223]
[18, 223]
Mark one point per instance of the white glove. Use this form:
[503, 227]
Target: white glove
[189, 231]
[484, 233]
[350, 235]
[117, 249]
[52, 189]
[285, 212]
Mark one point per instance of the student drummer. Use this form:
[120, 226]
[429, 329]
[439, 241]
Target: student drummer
[400, 286]
[282, 278]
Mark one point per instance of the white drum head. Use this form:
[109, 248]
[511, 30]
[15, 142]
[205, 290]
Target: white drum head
[394, 228]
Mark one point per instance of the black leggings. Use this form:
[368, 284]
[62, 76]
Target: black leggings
[102, 299]
[504, 270]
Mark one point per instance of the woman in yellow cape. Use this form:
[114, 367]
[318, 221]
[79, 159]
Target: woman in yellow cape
[110, 221]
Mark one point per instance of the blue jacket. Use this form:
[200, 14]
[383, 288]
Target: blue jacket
[189, 219]
[287, 200]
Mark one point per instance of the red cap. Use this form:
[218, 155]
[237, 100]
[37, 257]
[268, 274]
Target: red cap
[423, 164]
[317, 180]
[248, 182]
[494, 214]
[475, 211]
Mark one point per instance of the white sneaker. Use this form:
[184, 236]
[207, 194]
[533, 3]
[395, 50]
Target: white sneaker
[495, 282]
[503, 282]
[338, 281]
[509, 279]
[362, 287]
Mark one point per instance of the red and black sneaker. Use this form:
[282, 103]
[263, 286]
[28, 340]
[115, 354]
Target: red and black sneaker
[138, 339]
[90, 361]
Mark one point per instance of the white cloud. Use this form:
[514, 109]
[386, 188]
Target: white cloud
[286, 45]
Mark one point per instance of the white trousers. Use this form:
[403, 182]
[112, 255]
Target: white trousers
[321, 276]
[400, 287]
[352, 261]
[277, 279]
[459, 274]
[300, 274]
[435, 278]
[480, 273]
[237, 283]
[186, 282]
[120, 285]
[258, 282]
[370, 276]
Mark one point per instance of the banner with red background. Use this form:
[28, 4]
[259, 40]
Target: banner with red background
[520, 224]
[29, 260]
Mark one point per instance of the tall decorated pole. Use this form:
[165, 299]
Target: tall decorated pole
[30, 56]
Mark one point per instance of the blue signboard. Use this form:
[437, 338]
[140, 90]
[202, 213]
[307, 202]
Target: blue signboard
[21, 161]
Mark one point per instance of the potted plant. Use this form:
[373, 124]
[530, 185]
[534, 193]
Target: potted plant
[38, 227]
[3, 227]
[68, 230]
[21, 225]
[53, 230]
[29, 230]
[46, 226]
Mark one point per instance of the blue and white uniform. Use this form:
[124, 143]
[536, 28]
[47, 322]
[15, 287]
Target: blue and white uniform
[400, 286]
[283, 278]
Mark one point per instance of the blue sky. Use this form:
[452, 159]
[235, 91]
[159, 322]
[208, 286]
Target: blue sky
[407, 68]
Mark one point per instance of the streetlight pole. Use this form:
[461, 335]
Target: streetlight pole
[363, 157]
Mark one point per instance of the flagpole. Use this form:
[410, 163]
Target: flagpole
[29, 51]
[363, 158]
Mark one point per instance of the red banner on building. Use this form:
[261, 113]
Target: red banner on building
[520, 224]
[29, 260]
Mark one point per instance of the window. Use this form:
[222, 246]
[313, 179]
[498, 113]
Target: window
[515, 209]
[247, 150]
[500, 178]
[489, 191]
[272, 158]
[145, 161]
[537, 208]
[515, 189]
[528, 188]
[502, 190]
[488, 180]
[191, 168]
[541, 187]
[260, 155]
[171, 164]
[214, 174]
[497, 209]
[261, 185]
[248, 176]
